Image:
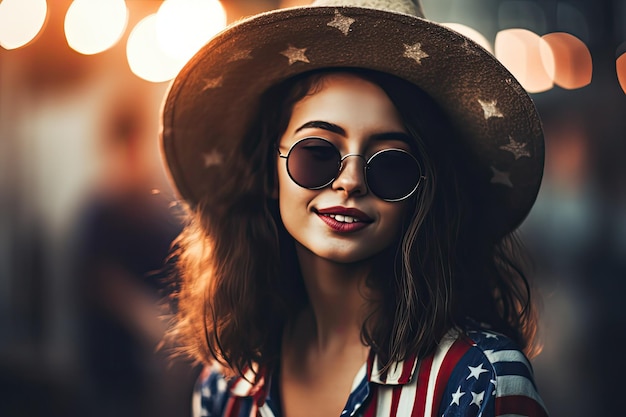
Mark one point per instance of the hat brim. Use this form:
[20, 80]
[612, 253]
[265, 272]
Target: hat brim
[215, 97]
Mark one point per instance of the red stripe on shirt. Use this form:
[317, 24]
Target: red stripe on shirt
[519, 404]
[370, 411]
[395, 399]
[451, 360]
[422, 386]
[407, 369]
[232, 407]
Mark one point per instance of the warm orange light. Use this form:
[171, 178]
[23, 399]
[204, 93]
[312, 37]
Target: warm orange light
[95, 26]
[183, 26]
[471, 33]
[572, 60]
[145, 57]
[21, 21]
[528, 58]
[620, 67]
[293, 3]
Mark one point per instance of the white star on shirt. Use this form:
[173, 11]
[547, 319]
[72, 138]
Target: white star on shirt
[501, 177]
[477, 398]
[518, 149]
[456, 396]
[295, 54]
[341, 22]
[490, 108]
[415, 52]
[210, 83]
[475, 371]
[212, 158]
[489, 335]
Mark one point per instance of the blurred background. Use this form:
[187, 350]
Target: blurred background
[87, 214]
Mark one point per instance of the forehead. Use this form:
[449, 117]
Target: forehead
[348, 98]
[341, 80]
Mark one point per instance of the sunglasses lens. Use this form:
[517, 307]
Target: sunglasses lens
[313, 163]
[393, 174]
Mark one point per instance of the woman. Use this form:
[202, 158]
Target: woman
[349, 248]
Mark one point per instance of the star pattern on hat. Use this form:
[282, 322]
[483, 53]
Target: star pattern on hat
[211, 83]
[501, 177]
[295, 54]
[341, 22]
[469, 48]
[240, 55]
[516, 86]
[518, 149]
[490, 108]
[212, 158]
[415, 52]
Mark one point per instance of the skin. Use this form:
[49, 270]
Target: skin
[322, 349]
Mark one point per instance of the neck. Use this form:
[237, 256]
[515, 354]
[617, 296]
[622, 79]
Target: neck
[339, 300]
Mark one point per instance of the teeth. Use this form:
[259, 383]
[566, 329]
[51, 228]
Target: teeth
[343, 218]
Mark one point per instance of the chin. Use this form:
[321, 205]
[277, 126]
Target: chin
[347, 258]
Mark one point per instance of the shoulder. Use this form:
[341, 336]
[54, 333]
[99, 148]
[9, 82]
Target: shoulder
[489, 376]
[211, 393]
[217, 395]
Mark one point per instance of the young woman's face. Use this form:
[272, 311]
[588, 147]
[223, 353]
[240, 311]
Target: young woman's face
[343, 221]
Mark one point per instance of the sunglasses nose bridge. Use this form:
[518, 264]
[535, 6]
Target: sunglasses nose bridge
[343, 159]
[357, 179]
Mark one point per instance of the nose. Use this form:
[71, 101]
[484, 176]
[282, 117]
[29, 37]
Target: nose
[351, 178]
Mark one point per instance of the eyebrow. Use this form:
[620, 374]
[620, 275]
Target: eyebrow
[331, 127]
[318, 124]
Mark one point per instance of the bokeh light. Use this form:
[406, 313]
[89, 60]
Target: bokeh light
[293, 3]
[183, 26]
[145, 57]
[21, 21]
[528, 57]
[572, 60]
[95, 26]
[471, 33]
[620, 67]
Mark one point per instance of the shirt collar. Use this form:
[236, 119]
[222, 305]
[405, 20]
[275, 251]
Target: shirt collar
[250, 386]
[399, 373]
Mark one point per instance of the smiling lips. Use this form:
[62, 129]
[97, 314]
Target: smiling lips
[343, 219]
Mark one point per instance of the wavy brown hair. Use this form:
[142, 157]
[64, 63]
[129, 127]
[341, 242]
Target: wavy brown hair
[239, 280]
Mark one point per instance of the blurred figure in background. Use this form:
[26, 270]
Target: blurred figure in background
[123, 240]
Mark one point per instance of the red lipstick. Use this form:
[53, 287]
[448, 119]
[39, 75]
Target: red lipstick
[344, 219]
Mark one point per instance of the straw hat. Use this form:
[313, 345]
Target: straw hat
[213, 100]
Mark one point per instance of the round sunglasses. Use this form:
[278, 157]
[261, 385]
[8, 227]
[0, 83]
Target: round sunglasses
[390, 174]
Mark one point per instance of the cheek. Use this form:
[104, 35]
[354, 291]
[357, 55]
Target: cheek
[290, 195]
[397, 215]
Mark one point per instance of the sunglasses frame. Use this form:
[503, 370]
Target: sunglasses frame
[366, 167]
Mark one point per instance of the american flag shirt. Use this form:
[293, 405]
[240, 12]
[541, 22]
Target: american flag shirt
[476, 373]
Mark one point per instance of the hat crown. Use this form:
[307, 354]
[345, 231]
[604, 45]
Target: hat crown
[410, 7]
